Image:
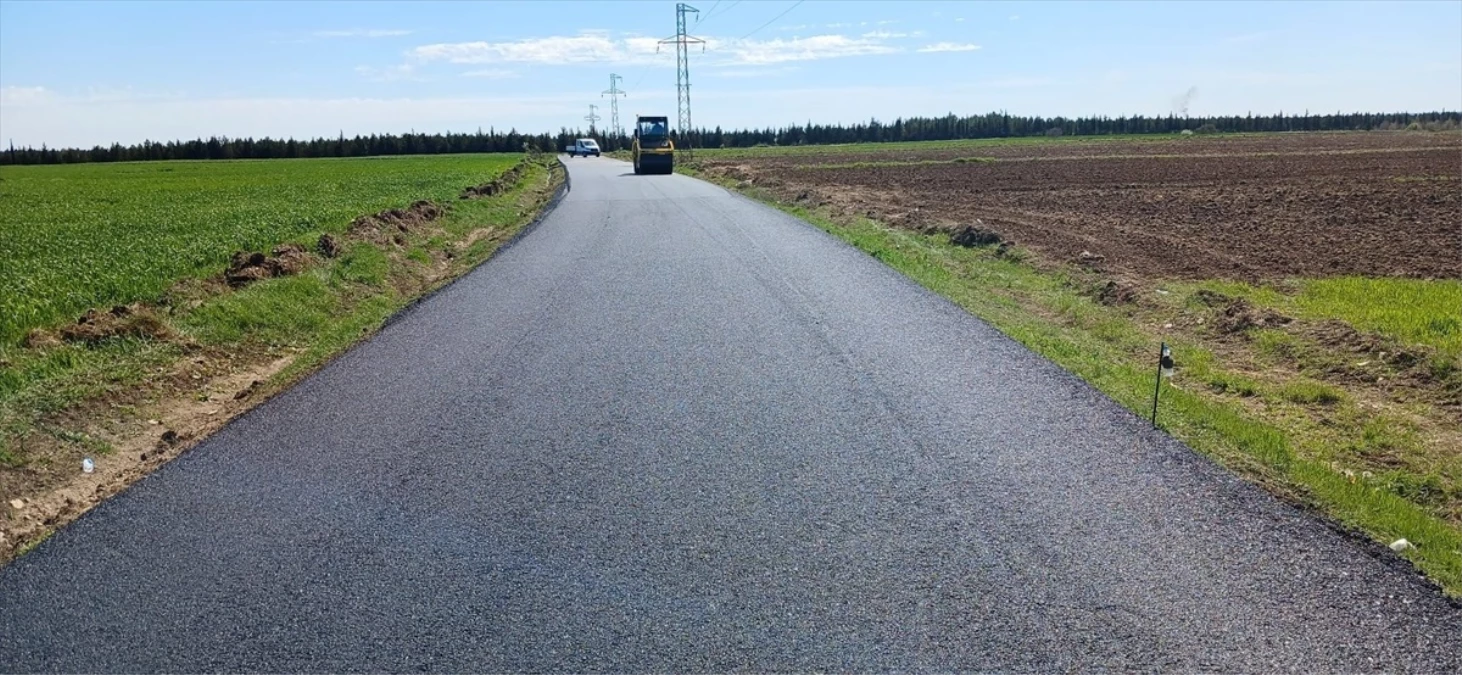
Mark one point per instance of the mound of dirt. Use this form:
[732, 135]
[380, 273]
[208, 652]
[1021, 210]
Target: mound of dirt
[734, 172]
[1091, 260]
[122, 321]
[1343, 336]
[484, 190]
[1117, 292]
[1240, 315]
[1211, 298]
[973, 235]
[328, 246]
[411, 218]
[247, 267]
[808, 198]
[497, 185]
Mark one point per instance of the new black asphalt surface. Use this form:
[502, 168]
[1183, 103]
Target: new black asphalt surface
[673, 430]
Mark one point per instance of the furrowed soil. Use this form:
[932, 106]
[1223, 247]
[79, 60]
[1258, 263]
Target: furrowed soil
[1250, 208]
[1309, 284]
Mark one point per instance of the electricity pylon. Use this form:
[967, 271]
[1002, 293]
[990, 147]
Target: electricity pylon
[614, 92]
[682, 69]
[592, 118]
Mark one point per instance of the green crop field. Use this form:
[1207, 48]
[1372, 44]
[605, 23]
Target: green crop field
[93, 235]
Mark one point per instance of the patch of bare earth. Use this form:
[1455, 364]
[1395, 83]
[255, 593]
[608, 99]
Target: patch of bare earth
[142, 434]
[1251, 217]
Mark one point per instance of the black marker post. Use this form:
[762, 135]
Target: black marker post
[1164, 369]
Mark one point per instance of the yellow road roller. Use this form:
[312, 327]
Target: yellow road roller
[654, 152]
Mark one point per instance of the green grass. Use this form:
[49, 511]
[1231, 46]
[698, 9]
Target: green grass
[1048, 313]
[94, 235]
[1309, 391]
[363, 264]
[1425, 312]
[273, 311]
[1413, 311]
[1222, 382]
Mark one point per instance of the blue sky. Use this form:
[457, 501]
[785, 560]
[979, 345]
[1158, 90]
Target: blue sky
[74, 73]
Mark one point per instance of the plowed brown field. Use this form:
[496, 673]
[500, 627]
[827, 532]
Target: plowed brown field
[1247, 207]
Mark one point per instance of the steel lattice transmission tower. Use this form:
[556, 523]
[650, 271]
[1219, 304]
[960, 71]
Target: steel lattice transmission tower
[614, 92]
[592, 118]
[682, 69]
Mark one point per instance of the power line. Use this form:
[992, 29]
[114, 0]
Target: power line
[711, 14]
[699, 18]
[774, 20]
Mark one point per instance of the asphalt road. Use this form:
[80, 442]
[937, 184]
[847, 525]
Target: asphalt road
[673, 430]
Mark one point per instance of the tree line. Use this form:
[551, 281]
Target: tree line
[948, 127]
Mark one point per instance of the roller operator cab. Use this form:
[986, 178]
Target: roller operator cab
[584, 147]
[654, 152]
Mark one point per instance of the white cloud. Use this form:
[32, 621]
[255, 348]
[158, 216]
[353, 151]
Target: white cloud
[887, 35]
[800, 26]
[959, 20]
[948, 47]
[39, 96]
[491, 74]
[1015, 17]
[602, 49]
[559, 50]
[20, 96]
[360, 32]
[840, 25]
[815, 48]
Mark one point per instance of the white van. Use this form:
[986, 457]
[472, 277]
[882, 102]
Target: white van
[584, 147]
